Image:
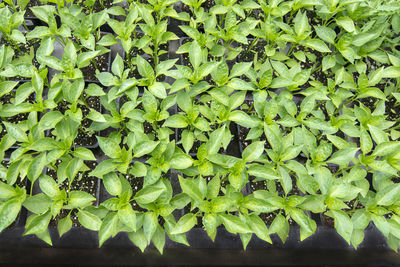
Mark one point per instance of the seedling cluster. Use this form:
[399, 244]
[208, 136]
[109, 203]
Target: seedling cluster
[255, 116]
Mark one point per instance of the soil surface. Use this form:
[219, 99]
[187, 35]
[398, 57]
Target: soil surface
[99, 5]
[102, 63]
[250, 51]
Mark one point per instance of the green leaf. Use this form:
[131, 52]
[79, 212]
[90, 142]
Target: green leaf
[150, 224]
[346, 23]
[145, 148]
[300, 23]
[16, 132]
[259, 228]
[239, 84]
[6, 87]
[215, 141]
[240, 68]
[326, 34]
[109, 147]
[158, 90]
[50, 120]
[180, 162]
[243, 119]
[187, 140]
[176, 121]
[343, 157]
[234, 225]
[49, 186]
[291, 152]
[36, 167]
[37, 224]
[386, 148]
[195, 55]
[149, 194]
[64, 225]
[388, 195]
[80, 199]
[185, 223]
[117, 66]
[262, 171]
[112, 183]
[190, 188]
[89, 220]
[253, 151]
[128, 217]
[38, 204]
[138, 238]
[280, 226]
[317, 45]
[159, 239]
[84, 154]
[343, 224]
[6, 191]
[391, 72]
[365, 141]
[9, 212]
[108, 227]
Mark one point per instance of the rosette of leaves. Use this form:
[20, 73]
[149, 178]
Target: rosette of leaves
[53, 200]
[141, 221]
[86, 28]
[10, 28]
[48, 14]
[16, 134]
[70, 64]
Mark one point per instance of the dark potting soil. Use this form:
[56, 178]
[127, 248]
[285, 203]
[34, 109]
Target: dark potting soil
[136, 184]
[369, 102]
[102, 64]
[9, 99]
[250, 50]
[393, 110]
[86, 183]
[99, 5]
[84, 137]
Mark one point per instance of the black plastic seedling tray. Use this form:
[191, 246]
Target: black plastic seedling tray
[79, 246]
